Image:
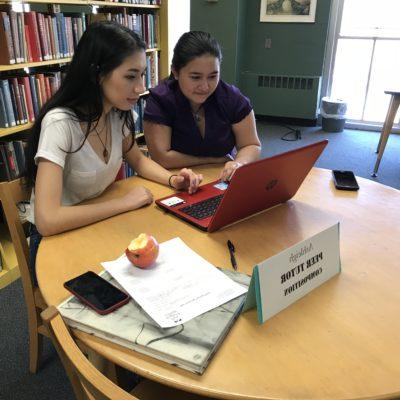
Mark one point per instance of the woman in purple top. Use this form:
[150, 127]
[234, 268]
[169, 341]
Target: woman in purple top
[195, 118]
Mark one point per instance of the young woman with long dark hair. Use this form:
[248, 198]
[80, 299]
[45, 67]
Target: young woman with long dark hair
[85, 130]
[194, 117]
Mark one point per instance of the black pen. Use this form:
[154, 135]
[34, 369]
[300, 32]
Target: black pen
[231, 248]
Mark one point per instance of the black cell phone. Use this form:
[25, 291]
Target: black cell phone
[345, 180]
[96, 292]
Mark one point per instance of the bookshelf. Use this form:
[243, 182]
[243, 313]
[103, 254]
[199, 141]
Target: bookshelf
[9, 271]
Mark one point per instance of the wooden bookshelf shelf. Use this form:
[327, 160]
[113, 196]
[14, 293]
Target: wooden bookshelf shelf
[34, 64]
[49, 62]
[15, 129]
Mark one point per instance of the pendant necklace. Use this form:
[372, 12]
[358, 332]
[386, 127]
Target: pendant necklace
[196, 114]
[105, 151]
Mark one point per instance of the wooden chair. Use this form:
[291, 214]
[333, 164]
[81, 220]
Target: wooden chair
[93, 384]
[12, 193]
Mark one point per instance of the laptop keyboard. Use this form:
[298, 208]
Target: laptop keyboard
[203, 209]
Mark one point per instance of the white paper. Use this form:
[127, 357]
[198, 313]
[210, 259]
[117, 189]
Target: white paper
[179, 286]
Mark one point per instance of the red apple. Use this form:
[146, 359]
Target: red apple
[142, 251]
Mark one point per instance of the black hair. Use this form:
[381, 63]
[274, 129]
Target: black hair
[102, 48]
[194, 44]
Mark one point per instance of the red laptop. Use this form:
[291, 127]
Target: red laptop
[254, 187]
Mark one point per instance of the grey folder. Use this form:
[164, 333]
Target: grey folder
[190, 346]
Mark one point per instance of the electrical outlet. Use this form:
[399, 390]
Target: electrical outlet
[268, 43]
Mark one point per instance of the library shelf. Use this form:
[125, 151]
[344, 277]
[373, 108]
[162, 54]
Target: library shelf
[15, 129]
[9, 67]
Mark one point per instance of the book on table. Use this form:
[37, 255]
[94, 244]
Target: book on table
[190, 346]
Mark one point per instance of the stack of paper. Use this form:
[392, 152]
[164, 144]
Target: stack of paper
[179, 286]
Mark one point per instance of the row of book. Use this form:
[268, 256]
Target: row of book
[21, 97]
[34, 37]
[12, 160]
[139, 110]
[151, 77]
[146, 25]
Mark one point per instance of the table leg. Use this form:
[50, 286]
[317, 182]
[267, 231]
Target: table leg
[387, 127]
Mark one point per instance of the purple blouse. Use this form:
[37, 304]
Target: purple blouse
[166, 105]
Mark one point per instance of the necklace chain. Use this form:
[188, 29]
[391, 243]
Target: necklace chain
[105, 150]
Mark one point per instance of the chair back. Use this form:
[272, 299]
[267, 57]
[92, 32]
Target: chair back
[94, 385]
[12, 193]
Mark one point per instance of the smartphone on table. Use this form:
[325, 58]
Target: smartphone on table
[345, 180]
[96, 292]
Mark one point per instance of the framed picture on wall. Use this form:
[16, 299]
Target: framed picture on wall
[288, 10]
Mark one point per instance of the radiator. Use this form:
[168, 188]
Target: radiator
[281, 95]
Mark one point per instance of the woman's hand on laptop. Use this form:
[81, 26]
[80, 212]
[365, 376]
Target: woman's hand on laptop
[186, 179]
[229, 169]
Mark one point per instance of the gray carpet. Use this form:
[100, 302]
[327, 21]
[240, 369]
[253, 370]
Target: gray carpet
[351, 150]
[348, 150]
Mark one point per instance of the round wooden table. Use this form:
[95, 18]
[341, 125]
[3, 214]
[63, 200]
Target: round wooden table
[341, 341]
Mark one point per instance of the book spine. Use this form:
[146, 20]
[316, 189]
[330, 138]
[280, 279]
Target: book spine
[14, 33]
[34, 36]
[23, 101]
[42, 89]
[35, 100]
[18, 102]
[28, 43]
[47, 87]
[42, 36]
[39, 92]
[28, 94]
[80, 29]
[83, 20]
[75, 32]
[14, 103]
[3, 112]
[63, 37]
[60, 35]
[5, 174]
[47, 37]
[50, 36]
[8, 103]
[56, 36]
[71, 37]
[7, 53]
[21, 36]
[19, 155]
[12, 161]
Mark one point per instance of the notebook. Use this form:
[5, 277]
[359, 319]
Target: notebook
[253, 188]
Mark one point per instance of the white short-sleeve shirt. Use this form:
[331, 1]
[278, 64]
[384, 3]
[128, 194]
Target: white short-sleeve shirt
[85, 174]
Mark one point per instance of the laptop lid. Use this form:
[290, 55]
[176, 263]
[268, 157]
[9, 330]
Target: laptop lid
[254, 187]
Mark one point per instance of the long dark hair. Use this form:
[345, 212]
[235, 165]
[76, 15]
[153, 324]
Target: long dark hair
[194, 44]
[102, 48]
